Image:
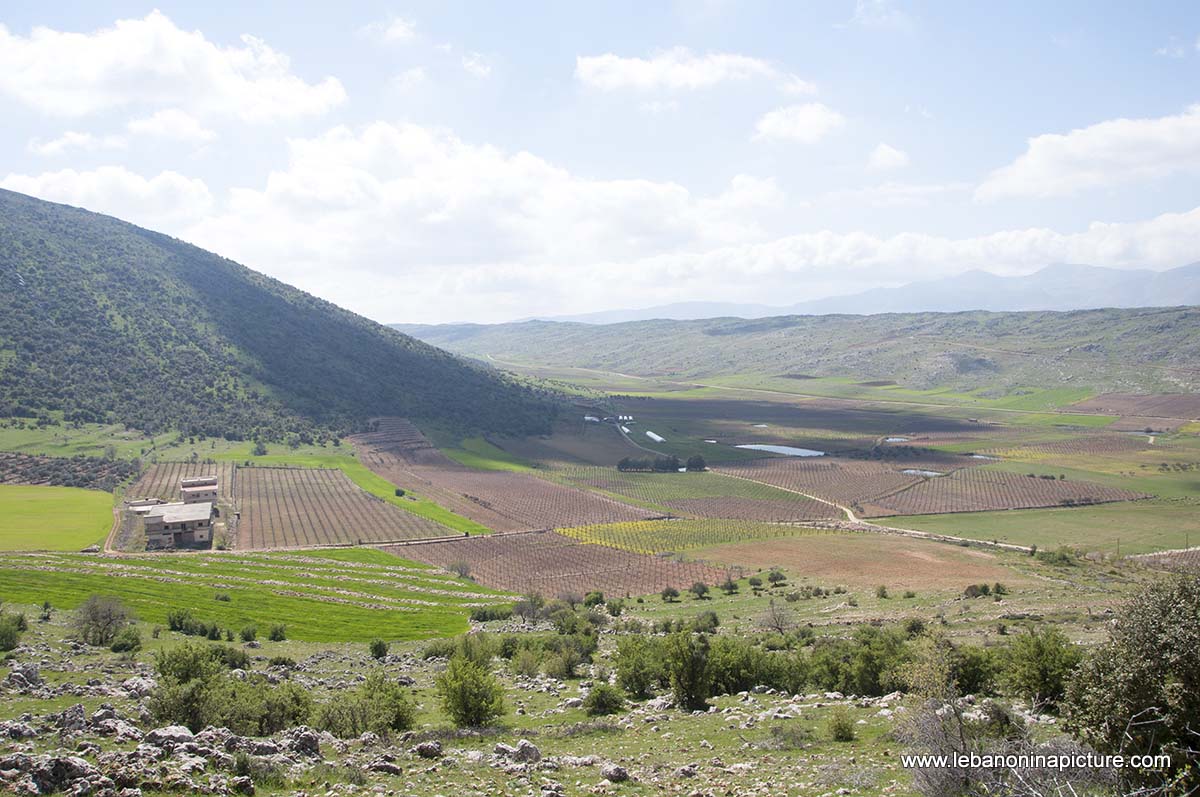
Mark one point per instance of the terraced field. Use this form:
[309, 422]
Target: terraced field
[849, 482]
[550, 564]
[353, 595]
[297, 507]
[675, 536]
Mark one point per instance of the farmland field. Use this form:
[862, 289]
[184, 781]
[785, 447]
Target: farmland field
[709, 494]
[865, 561]
[52, 518]
[502, 500]
[342, 595]
[296, 507]
[550, 564]
[674, 536]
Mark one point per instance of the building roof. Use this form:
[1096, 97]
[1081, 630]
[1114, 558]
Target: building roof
[198, 481]
[199, 488]
[182, 513]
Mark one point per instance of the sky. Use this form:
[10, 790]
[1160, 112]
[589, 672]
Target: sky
[451, 161]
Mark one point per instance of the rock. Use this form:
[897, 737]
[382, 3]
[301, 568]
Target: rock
[430, 749]
[137, 686]
[191, 764]
[386, 767]
[369, 739]
[118, 728]
[69, 719]
[686, 771]
[579, 760]
[525, 752]
[17, 730]
[303, 740]
[614, 773]
[169, 737]
[242, 785]
[573, 702]
[264, 747]
[660, 703]
[23, 676]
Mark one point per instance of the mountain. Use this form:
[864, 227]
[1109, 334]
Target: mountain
[1057, 287]
[997, 354]
[107, 322]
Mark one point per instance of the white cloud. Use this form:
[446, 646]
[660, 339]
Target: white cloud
[391, 30]
[73, 141]
[678, 69]
[1172, 49]
[477, 64]
[885, 157]
[1100, 156]
[880, 14]
[806, 123]
[163, 202]
[411, 79]
[893, 194]
[152, 62]
[172, 124]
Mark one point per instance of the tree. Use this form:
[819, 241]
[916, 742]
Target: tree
[1139, 691]
[776, 578]
[99, 619]
[1038, 664]
[687, 669]
[696, 463]
[699, 590]
[669, 594]
[469, 693]
[778, 617]
[729, 586]
[260, 449]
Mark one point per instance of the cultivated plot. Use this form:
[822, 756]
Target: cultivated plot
[550, 564]
[297, 507]
[674, 536]
[161, 480]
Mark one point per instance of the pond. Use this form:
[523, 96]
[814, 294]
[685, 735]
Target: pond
[790, 451]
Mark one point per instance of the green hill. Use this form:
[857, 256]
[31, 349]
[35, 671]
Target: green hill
[1150, 350]
[102, 321]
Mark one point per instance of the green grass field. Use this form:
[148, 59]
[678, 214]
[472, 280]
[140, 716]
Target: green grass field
[351, 595]
[52, 518]
[1136, 527]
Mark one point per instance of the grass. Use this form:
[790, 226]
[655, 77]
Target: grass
[1134, 527]
[336, 596]
[52, 518]
[475, 452]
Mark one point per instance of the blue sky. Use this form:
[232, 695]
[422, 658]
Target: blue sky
[439, 161]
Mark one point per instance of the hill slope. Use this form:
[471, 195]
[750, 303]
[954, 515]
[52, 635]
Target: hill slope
[1101, 350]
[108, 322]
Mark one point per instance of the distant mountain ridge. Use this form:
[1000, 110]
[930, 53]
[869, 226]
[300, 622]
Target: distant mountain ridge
[1061, 286]
[102, 321]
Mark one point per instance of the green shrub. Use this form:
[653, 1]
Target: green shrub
[484, 614]
[378, 649]
[840, 725]
[249, 633]
[640, 666]
[881, 592]
[526, 662]
[615, 607]
[706, 622]
[603, 700]
[686, 657]
[669, 594]
[470, 694]
[1037, 665]
[699, 590]
[278, 633]
[128, 640]
[379, 705]
[593, 598]
[10, 632]
[1137, 691]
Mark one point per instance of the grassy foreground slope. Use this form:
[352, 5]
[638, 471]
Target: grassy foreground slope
[350, 595]
[103, 322]
[989, 355]
[52, 518]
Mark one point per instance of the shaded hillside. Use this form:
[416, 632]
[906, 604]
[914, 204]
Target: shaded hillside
[1121, 350]
[107, 322]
